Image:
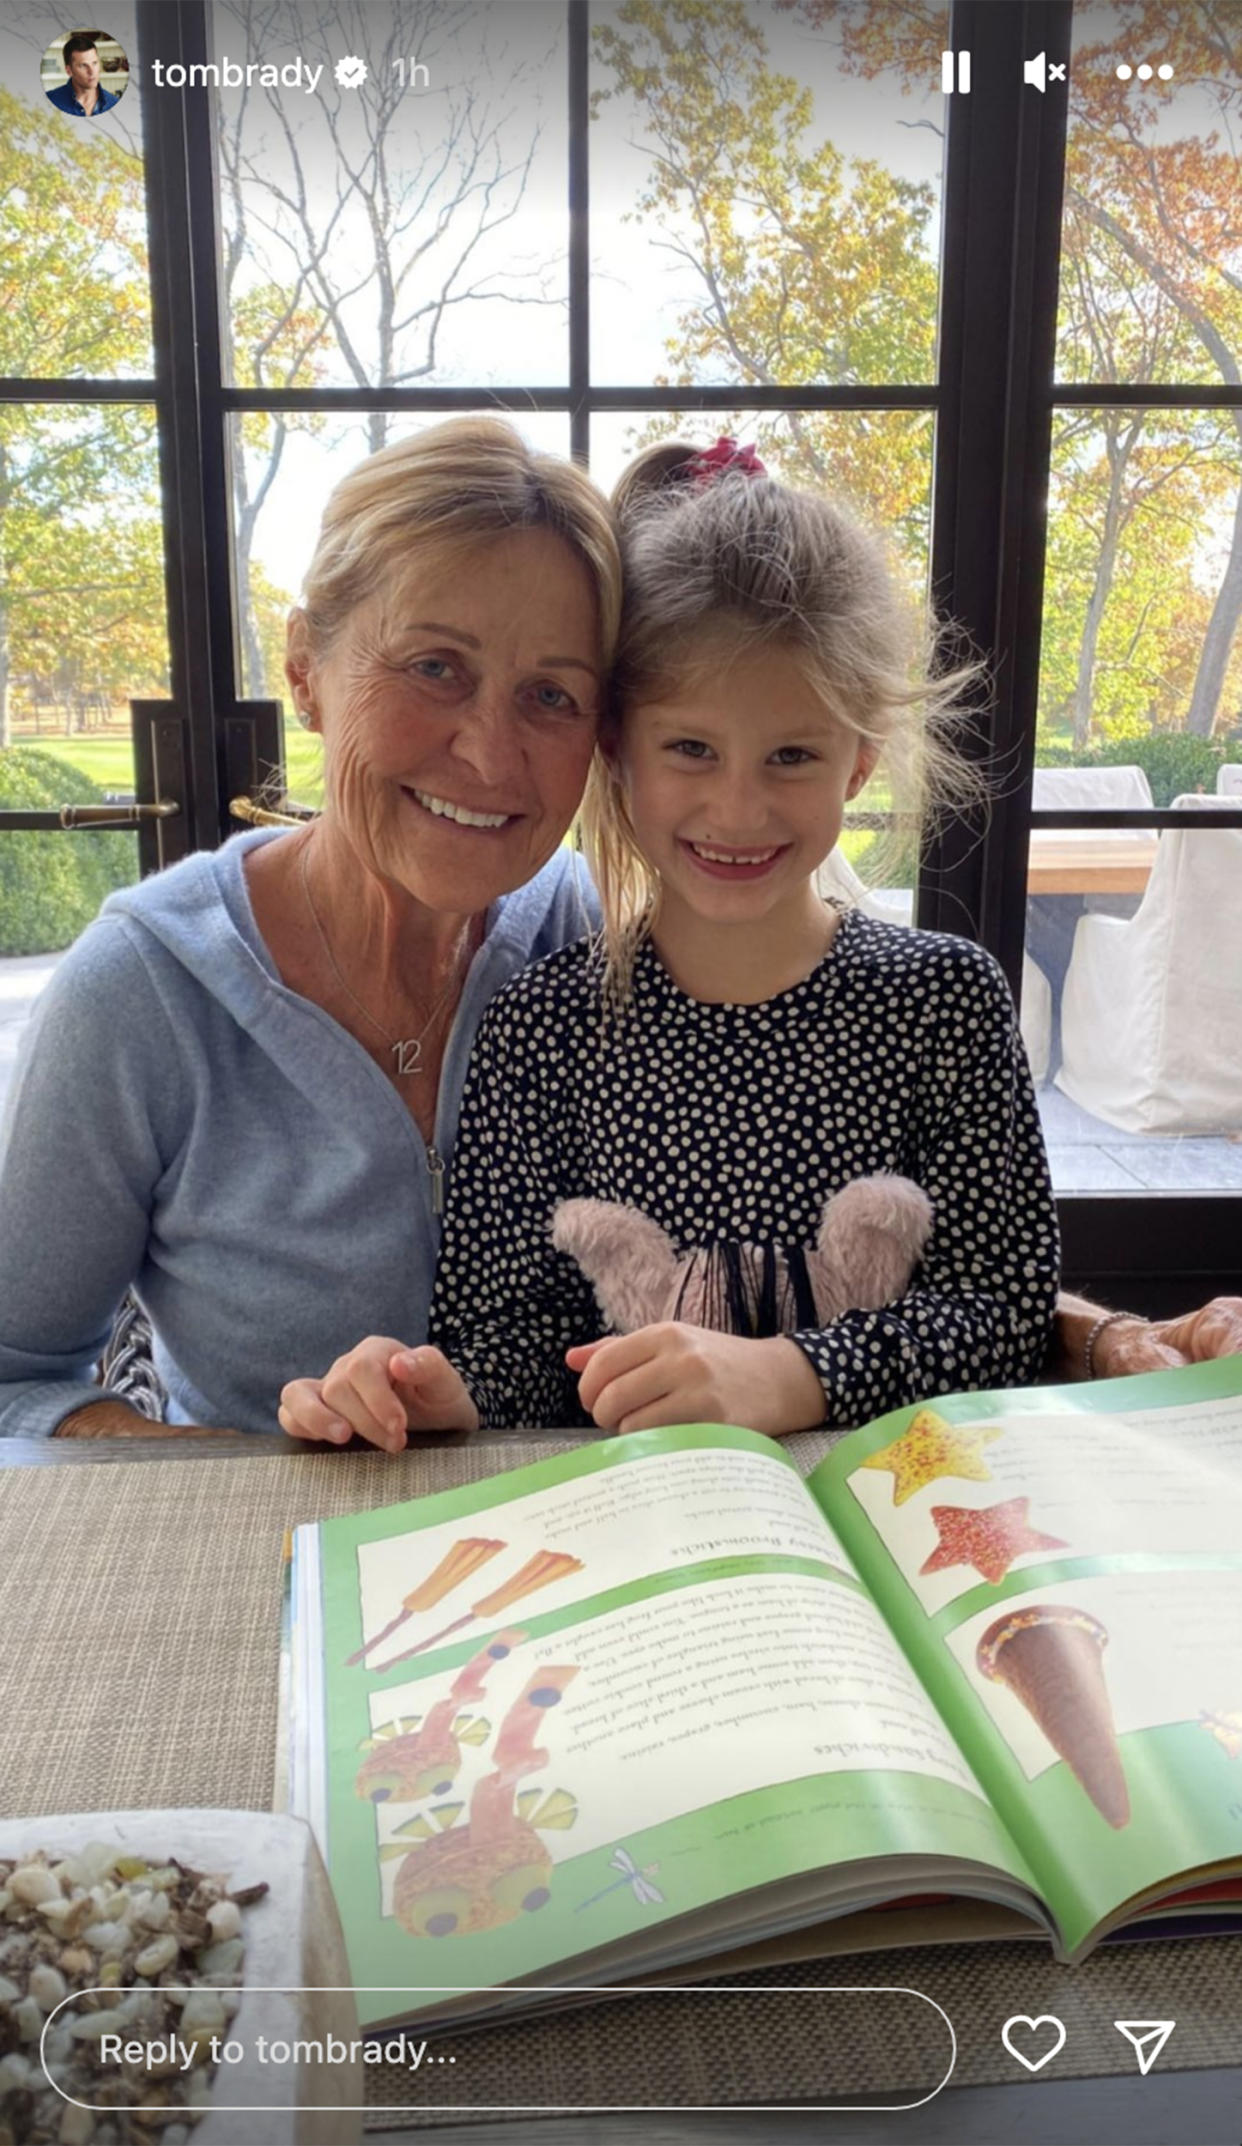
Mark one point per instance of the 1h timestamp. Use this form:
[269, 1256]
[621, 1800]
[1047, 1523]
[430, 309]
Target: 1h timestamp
[412, 74]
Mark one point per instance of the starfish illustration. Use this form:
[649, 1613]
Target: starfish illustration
[930, 1447]
[989, 1540]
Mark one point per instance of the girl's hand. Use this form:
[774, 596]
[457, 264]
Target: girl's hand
[381, 1390]
[674, 1373]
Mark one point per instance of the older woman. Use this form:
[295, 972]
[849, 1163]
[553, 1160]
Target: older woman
[243, 1081]
[241, 1088]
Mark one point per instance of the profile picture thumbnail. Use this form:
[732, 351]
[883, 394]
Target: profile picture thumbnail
[85, 73]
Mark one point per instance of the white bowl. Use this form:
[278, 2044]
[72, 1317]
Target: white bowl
[296, 1983]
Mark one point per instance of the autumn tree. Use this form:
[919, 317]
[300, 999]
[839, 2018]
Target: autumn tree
[358, 224]
[1164, 209]
[1173, 209]
[80, 566]
[1129, 492]
[811, 269]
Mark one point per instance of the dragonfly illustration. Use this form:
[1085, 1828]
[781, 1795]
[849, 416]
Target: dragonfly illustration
[646, 1894]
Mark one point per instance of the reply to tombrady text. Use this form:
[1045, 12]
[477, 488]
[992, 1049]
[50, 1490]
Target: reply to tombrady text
[173, 2053]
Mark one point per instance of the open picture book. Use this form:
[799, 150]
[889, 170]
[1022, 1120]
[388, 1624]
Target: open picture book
[659, 1703]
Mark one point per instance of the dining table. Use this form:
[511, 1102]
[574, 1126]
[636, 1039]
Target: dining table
[140, 1601]
[1064, 860]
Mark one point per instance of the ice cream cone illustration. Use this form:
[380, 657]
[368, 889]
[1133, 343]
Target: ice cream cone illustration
[1050, 1656]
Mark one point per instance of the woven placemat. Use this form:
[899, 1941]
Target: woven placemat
[681, 2051]
[148, 1600]
[141, 1605]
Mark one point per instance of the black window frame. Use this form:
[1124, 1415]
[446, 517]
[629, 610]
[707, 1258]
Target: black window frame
[993, 403]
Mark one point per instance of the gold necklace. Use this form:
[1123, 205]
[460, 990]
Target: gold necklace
[406, 1050]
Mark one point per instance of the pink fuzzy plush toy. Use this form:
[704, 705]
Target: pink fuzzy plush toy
[870, 1240]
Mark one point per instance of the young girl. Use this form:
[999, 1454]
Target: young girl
[734, 1049]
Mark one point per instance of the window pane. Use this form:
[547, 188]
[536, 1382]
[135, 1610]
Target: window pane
[1152, 246]
[1140, 700]
[878, 462]
[765, 192]
[1141, 1014]
[82, 623]
[390, 235]
[1143, 592]
[284, 467]
[77, 299]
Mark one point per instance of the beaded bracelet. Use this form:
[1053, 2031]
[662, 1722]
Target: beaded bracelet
[1108, 1318]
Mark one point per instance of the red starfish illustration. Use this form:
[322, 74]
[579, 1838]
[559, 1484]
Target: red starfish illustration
[989, 1540]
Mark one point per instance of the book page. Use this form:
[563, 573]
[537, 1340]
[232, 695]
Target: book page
[566, 1541]
[1068, 1583]
[658, 1684]
[1160, 1482]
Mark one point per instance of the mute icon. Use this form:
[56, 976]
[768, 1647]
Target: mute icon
[1037, 73]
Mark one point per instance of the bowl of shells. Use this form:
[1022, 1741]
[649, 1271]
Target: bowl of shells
[172, 1975]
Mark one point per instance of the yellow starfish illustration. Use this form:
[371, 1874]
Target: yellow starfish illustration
[930, 1447]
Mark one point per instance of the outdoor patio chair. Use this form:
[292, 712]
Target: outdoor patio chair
[1229, 779]
[1151, 1020]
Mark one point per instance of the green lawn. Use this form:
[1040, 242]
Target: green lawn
[110, 761]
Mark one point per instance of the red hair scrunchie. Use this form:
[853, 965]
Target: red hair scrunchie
[724, 458]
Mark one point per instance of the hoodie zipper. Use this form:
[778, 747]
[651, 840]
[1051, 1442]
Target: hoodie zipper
[435, 1166]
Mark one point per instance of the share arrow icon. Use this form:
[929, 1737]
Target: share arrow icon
[1148, 2037]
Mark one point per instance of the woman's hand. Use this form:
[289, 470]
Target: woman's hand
[115, 1419]
[1149, 1345]
[675, 1373]
[1135, 1344]
[381, 1390]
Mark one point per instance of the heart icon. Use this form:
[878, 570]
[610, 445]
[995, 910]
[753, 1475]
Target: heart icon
[1032, 2026]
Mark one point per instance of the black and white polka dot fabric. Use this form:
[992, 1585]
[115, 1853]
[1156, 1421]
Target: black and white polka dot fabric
[900, 1052]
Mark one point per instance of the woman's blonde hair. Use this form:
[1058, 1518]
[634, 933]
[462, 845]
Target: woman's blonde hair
[719, 562]
[441, 492]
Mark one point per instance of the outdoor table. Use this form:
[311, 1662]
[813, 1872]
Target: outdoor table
[140, 1587]
[1075, 861]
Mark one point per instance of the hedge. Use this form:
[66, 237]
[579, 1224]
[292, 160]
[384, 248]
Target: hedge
[1175, 762]
[51, 885]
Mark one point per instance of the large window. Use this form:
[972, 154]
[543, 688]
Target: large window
[82, 614]
[1003, 322]
[1140, 687]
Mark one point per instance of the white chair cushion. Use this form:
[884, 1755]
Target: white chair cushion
[1084, 788]
[1151, 1019]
